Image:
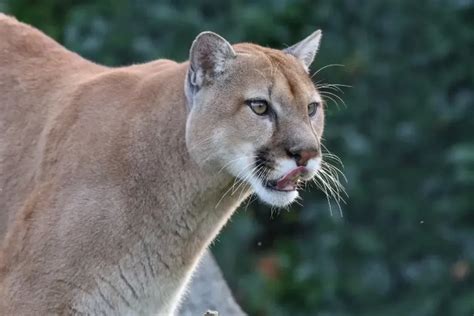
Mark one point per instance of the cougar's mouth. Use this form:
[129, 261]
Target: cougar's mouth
[288, 182]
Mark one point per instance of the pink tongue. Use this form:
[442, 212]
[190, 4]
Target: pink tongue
[288, 181]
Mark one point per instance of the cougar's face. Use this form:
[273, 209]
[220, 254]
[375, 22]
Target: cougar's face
[261, 122]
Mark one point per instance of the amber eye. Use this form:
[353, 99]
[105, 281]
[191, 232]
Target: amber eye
[259, 107]
[313, 108]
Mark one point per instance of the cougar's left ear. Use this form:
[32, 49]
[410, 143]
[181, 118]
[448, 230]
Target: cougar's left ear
[208, 58]
[306, 49]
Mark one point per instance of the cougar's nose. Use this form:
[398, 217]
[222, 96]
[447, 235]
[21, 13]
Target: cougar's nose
[302, 156]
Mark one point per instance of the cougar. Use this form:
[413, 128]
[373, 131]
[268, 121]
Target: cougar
[114, 181]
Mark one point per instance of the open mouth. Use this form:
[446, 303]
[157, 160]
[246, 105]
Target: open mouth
[288, 182]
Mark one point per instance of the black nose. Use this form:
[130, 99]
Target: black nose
[302, 156]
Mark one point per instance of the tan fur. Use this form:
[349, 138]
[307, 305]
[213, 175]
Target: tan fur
[110, 187]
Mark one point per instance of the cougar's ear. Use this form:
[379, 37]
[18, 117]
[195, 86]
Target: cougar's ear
[306, 49]
[207, 59]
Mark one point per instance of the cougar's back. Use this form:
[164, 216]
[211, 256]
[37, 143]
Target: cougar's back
[35, 77]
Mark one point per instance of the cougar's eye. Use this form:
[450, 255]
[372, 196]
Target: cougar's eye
[259, 107]
[313, 108]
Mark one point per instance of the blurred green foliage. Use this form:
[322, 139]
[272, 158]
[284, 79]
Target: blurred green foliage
[405, 245]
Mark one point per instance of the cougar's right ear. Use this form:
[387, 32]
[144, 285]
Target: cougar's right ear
[207, 60]
[306, 49]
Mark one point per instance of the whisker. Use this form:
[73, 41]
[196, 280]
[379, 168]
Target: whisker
[250, 175]
[331, 185]
[200, 142]
[246, 178]
[233, 160]
[335, 170]
[327, 96]
[324, 67]
[236, 181]
[336, 96]
[322, 187]
[335, 85]
[336, 188]
[324, 87]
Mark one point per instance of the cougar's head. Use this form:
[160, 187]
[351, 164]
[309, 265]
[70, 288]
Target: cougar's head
[255, 114]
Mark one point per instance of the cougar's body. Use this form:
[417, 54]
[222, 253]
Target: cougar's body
[113, 181]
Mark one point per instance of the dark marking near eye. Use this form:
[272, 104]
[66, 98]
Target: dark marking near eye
[274, 117]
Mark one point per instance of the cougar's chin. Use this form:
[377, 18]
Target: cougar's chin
[272, 195]
[279, 187]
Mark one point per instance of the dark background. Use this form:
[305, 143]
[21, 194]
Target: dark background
[405, 245]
